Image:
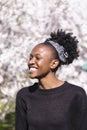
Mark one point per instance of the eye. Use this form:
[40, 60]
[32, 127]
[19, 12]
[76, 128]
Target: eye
[30, 58]
[38, 57]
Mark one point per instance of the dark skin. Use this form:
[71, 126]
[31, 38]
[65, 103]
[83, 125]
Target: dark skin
[41, 66]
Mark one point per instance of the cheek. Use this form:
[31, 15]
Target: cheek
[44, 64]
[45, 67]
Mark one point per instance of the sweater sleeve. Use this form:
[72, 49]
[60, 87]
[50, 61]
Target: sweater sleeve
[79, 111]
[20, 113]
[83, 115]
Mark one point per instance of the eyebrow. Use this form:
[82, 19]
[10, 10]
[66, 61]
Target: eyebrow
[35, 54]
[30, 55]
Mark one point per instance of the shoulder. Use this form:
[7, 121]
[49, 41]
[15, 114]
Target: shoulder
[76, 89]
[27, 90]
[80, 97]
[78, 93]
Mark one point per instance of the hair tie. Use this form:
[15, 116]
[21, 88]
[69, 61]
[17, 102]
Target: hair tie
[63, 55]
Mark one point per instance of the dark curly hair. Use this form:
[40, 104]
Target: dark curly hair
[68, 41]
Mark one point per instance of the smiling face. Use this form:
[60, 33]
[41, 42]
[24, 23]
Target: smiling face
[41, 62]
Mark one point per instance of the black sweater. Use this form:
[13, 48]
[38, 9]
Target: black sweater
[61, 108]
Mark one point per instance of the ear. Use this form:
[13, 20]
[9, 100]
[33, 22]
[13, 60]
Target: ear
[54, 64]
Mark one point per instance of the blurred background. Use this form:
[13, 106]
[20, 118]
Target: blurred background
[25, 23]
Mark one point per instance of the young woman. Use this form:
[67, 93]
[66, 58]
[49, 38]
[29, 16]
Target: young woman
[52, 104]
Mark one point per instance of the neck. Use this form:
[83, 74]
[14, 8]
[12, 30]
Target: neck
[50, 82]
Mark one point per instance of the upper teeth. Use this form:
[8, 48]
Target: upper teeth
[33, 69]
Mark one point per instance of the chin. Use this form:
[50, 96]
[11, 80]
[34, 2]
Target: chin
[35, 76]
[32, 76]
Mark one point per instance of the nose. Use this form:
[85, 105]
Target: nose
[31, 61]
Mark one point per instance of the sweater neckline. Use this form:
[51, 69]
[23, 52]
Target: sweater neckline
[53, 90]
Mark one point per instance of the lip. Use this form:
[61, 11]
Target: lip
[32, 69]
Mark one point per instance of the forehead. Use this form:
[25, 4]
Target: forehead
[41, 49]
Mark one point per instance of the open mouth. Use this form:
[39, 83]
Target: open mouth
[32, 69]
